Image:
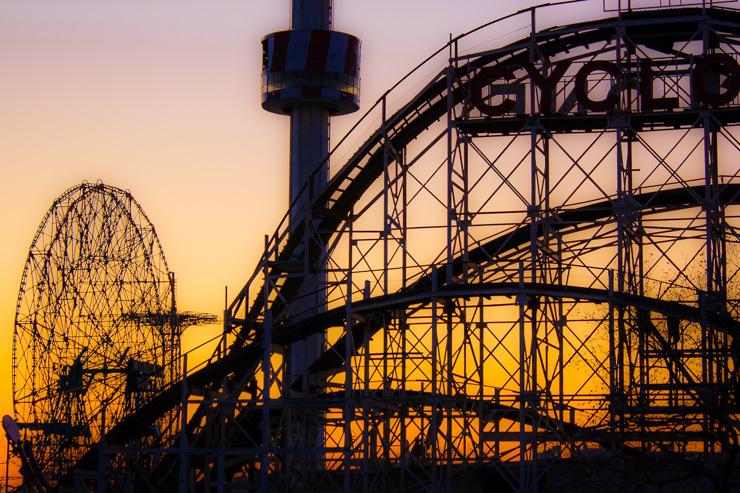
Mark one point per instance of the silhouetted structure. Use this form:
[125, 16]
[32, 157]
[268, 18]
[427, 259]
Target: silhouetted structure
[525, 278]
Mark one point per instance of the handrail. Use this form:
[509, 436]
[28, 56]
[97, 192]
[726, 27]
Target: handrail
[627, 5]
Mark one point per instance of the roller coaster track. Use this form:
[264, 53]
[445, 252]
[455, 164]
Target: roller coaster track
[332, 207]
[245, 360]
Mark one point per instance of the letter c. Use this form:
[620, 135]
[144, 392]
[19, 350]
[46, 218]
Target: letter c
[484, 77]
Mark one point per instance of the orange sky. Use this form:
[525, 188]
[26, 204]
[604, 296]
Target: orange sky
[162, 97]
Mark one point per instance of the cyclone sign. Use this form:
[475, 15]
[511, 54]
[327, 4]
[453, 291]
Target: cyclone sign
[706, 90]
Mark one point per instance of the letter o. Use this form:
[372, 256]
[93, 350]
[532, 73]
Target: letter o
[701, 71]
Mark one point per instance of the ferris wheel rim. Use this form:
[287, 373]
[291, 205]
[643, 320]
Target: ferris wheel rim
[85, 187]
[72, 206]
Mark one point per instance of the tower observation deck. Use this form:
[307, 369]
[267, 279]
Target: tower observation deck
[310, 73]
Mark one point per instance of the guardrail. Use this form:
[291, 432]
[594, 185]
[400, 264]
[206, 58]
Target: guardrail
[634, 5]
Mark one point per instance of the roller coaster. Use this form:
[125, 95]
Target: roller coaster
[529, 281]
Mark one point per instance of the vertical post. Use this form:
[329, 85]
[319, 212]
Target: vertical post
[386, 318]
[7, 463]
[348, 345]
[612, 364]
[174, 335]
[522, 302]
[401, 166]
[386, 191]
[266, 352]
[434, 423]
[481, 373]
[450, 168]
[536, 310]
[182, 471]
[452, 221]
[227, 321]
[399, 218]
[629, 256]
[449, 409]
[100, 486]
[366, 416]
[561, 324]
[715, 297]
[220, 473]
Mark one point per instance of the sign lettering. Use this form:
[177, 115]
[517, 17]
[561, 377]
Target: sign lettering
[705, 87]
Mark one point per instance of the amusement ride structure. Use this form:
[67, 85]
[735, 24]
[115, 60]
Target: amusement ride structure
[519, 271]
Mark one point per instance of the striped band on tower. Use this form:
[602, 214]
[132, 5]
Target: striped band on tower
[311, 67]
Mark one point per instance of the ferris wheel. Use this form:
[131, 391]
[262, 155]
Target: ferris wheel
[95, 327]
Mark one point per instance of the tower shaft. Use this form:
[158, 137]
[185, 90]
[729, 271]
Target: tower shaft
[309, 122]
[311, 14]
[309, 73]
[309, 149]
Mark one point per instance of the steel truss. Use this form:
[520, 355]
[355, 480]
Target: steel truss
[544, 299]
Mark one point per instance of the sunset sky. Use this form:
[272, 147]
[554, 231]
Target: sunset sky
[161, 97]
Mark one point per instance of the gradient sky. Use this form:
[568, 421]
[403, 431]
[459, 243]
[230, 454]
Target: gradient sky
[161, 97]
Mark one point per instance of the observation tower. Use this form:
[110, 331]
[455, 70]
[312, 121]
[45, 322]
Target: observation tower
[310, 73]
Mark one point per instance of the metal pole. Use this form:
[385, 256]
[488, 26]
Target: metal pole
[264, 456]
[434, 423]
[386, 319]
[348, 344]
[182, 471]
[451, 221]
[266, 346]
[612, 363]
[309, 173]
[7, 463]
[522, 302]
